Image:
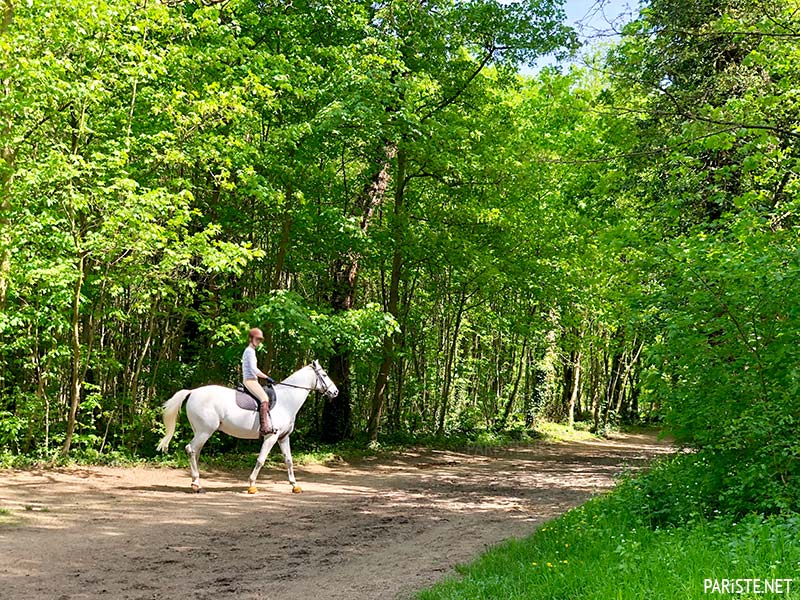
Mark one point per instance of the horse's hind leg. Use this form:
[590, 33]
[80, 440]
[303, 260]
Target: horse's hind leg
[193, 449]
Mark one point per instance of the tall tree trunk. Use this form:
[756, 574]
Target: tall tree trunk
[398, 231]
[336, 412]
[400, 368]
[567, 378]
[531, 390]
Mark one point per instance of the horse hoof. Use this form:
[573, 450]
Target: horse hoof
[252, 489]
[197, 489]
[296, 489]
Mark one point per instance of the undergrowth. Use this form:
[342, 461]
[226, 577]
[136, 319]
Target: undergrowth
[239, 454]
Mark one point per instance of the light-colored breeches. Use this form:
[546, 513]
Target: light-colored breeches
[255, 388]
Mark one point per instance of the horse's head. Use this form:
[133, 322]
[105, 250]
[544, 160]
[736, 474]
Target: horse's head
[324, 383]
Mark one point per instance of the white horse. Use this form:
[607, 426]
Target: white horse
[213, 407]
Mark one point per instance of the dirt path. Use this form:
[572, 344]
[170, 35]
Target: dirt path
[374, 529]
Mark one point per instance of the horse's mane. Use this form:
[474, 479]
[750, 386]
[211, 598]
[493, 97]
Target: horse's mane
[289, 380]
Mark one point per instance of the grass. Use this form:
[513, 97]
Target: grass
[559, 432]
[176, 458]
[7, 517]
[600, 551]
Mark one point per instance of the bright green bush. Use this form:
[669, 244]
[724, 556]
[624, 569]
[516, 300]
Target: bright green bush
[726, 370]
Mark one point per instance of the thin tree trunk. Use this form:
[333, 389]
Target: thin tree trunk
[633, 414]
[591, 387]
[5, 252]
[5, 225]
[75, 364]
[448, 368]
[513, 395]
[283, 244]
[621, 407]
[531, 383]
[614, 376]
[576, 383]
[7, 155]
[134, 385]
[277, 276]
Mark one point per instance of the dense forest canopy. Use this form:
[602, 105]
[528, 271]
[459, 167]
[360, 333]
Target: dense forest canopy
[376, 185]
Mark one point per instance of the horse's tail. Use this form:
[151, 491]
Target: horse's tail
[172, 408]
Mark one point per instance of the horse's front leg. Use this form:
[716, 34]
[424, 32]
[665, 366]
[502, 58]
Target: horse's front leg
[269, 442]
[287, 457]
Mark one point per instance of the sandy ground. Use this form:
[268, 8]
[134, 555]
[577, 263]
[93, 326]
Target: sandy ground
[379, 528]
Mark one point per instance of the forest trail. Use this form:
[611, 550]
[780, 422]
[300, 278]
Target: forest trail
[376, 528]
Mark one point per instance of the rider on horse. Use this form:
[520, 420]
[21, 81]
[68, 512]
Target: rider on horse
[250, 375]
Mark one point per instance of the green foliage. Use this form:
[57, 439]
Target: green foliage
[175, 174]
[360, 330]
[696, 204]
[10, 428]
[724, 364]
[375, 185]
[296, 324]
[719, 210]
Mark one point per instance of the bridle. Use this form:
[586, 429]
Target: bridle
[320, 379]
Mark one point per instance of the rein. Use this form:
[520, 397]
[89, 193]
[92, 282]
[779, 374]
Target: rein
[297, 387]
[310, 389]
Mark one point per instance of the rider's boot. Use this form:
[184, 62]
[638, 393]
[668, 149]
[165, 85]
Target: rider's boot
[266, 426]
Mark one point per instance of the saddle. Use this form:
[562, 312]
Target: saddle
[246, 400]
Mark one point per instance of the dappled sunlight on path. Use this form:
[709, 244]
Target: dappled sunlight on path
[377, 528]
